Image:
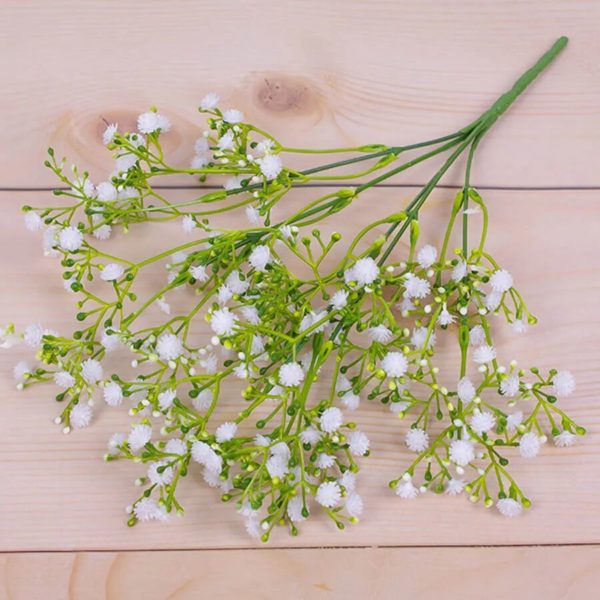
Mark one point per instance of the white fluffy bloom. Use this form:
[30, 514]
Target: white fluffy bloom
[358, 443]
[64, 379]
[519, 326]
[466, 390]
[492, 300]
[236, 284]
[565, 439]
[165, 399]
[477, 336]
[222, 322]
[310, 435]
[233, 115]
[169, 346]
[328, 494]
[501, 281]
[176, 446]
[203, 400]
[364, 272]
[199, 161]
[113, 394]
[350, 400]
[250, 313]
[379, 333]
[20, 370]
[270, 166]
[348, 481]
[325, 461]
[226, 142]
[417, 439]
[339, 299]
[109, 133]
[459, 271]
[159, 473]
[109, 341]
[106, 191]
[416, 287]
[33, 335]
[81, 416]
[33, 221]
[354, 505]
[510, 386]
[294, 509]
[563, 383]
[252, 215]
[331, 419]
[70, 239]
[139, 436]
[225, 432]
[150, 122]
[260, 257]
[529, 445]
[482, 422]
[514, 420]
[188, 224]
[146, 509]
[394, 364]
[111, 272]
[509, 507]
[206, 456]
[462, 452]
[291, 374]
[455, 487]
[198, 272]
[210, 101]
[91, 371]
[277, 465]
[163, 305]
[426, 256]
[420, 335]
[201, 145]
[406, 490]
[484, 354]
[445, 318]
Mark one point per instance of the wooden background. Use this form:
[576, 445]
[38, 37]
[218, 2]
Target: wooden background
[313, 73]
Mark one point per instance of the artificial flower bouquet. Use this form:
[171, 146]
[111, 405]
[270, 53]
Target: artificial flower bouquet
[298, 327]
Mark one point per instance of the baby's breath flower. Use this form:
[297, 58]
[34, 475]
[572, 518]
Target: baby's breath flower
[501, 281]
[113, 394]
[394, 364]
[291, 374]
[328, 494]
[417, 439]
[70, 239]
[484, 354]
[508, 507]
[151, 122]
[139, 436]
[529, 445]
[81, 416]
[462, 452]
[426, 256]
[563, 383]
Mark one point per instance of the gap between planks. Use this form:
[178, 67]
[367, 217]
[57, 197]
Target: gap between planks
[499, 188]
[295, 548]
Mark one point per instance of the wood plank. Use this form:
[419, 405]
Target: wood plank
[318, 74]
[60, 495]
[552, 573]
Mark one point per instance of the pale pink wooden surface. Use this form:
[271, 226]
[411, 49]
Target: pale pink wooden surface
[314, 73]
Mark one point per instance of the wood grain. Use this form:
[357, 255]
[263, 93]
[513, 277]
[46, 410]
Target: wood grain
[467, 573]
[314, 73]
[62, 496]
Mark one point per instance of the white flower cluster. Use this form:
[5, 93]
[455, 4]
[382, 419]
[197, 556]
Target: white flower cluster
[259, 401]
